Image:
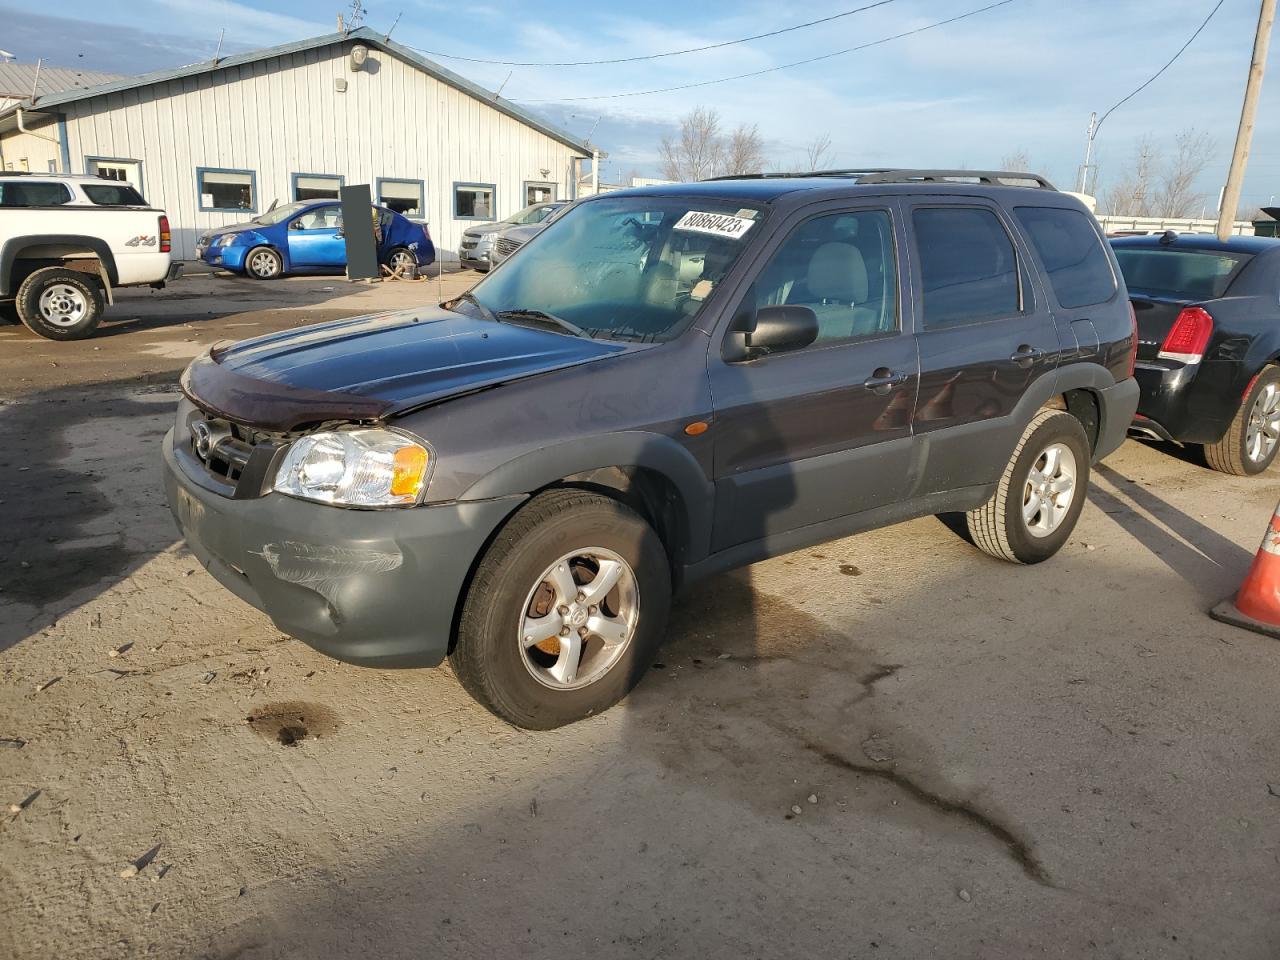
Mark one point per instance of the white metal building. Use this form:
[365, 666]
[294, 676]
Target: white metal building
[215, 143]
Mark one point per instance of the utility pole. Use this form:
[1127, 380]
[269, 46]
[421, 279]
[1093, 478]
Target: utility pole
[1088, 153]
[1244, 136]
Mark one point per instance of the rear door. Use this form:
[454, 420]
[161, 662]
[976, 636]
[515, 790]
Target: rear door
[315, 238]
[985, 334]
[823, 432]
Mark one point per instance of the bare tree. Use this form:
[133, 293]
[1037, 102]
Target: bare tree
[742, 152]
[818, 153]
[1131, 195]
[1176, 195]
[1019, 161]
[696, 153]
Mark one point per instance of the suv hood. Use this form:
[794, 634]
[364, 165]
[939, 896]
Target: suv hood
[372, 367]
[485, 229]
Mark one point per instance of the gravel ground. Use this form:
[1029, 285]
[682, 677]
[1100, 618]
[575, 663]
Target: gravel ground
[887, 746]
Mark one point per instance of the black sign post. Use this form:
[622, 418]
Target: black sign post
[358, 228]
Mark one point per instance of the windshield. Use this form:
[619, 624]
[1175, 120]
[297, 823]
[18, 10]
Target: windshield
[534, 214]
[633, 268]
[1179, 274]
[282, 212]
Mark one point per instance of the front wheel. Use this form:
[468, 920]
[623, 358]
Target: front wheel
[61, 304]
[1040, 494]
[263, 263]
[1249, 446]
[565, 611]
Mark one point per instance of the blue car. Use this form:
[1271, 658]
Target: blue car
[306, 237]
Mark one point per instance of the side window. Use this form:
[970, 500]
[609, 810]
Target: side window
[321, 218]
[1072, 253]
[16, 193]
[968, 268]
[842, 266]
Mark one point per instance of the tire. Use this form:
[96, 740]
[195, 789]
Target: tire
[61, 304]
[263, 263]
[1243, 450]
[1000, 528]
[405, 257]
[524, 680]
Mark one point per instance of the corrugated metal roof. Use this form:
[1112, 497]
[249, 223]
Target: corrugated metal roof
[363, 34]
[16, 79]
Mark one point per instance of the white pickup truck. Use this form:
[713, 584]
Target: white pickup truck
[67, 241]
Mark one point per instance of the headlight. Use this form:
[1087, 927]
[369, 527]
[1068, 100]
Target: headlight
[356, 468]
[228, 240]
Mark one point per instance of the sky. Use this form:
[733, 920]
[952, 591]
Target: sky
[1022, 77]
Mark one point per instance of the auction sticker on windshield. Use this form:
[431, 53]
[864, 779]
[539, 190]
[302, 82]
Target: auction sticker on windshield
[719, 224]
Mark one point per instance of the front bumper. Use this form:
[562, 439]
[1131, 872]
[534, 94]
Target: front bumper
[229, 258]
[371, 587]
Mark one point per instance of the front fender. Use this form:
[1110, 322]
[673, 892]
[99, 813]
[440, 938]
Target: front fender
[635, 448]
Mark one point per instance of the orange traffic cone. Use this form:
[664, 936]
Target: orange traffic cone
[1257, 605]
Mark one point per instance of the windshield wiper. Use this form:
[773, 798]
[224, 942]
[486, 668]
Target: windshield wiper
[472, 298]
[541, 316]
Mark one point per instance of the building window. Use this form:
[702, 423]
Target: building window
[115, 168]
[403, 196]
[538, 191]
[473, 201]
[316, 186]
[228, 191]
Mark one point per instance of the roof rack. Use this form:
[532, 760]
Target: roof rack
[1005, 178]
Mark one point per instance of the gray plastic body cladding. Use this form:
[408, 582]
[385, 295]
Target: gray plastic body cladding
[372, 587]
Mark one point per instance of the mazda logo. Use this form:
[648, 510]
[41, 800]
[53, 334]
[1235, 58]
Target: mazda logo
[202, 439]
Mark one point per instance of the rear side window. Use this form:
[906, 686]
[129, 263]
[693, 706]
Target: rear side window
[19, 194]
[1071, 252]
[1179, 274]
[968, 268]
[113, 195]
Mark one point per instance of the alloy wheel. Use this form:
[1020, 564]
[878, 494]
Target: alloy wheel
[579, 618]
[1263, 430]
[263, 264]
[1050, 489]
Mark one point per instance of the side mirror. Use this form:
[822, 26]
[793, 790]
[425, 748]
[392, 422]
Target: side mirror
[775, 329]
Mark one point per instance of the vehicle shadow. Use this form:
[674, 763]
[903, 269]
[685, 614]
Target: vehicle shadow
[1192, 453]
[1209, 562]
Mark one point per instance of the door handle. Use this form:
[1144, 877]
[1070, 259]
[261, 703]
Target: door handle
[1026, 355]
[884, 380]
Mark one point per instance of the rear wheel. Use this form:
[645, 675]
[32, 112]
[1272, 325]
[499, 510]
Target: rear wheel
[1249, 446]
[263, 263]
[61, 304]
[401, 262]
[1040, 495]
[565, 611]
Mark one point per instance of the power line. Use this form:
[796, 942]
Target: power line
[783, 66]
[656, 56]
[1156, 75]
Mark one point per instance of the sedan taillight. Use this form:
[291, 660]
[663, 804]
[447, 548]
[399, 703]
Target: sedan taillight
[166, 239]
[1188, 336]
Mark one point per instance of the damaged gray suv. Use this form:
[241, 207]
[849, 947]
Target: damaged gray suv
[665, 384]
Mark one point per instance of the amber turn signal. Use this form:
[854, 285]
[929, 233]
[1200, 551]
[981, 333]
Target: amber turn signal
[697, 428]
[408, 470]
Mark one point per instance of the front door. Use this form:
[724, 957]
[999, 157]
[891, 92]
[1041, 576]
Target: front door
[823, 432]
[985, 334]
[315, 238]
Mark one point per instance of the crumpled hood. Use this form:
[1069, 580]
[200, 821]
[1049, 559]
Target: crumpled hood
[234, 228]
[383, 364]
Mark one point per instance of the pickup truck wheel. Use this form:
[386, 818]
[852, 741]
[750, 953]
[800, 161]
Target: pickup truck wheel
[565, 611]
[263, 263]
[61, 304]
[1040, 494]
[1249, 446]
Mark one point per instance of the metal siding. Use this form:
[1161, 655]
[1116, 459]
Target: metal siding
[282, 116]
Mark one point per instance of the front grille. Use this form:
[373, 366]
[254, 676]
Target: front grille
[469, 243]
[506, 246]
[229, 451]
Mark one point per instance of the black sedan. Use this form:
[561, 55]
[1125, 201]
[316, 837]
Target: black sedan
[1208, 317]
